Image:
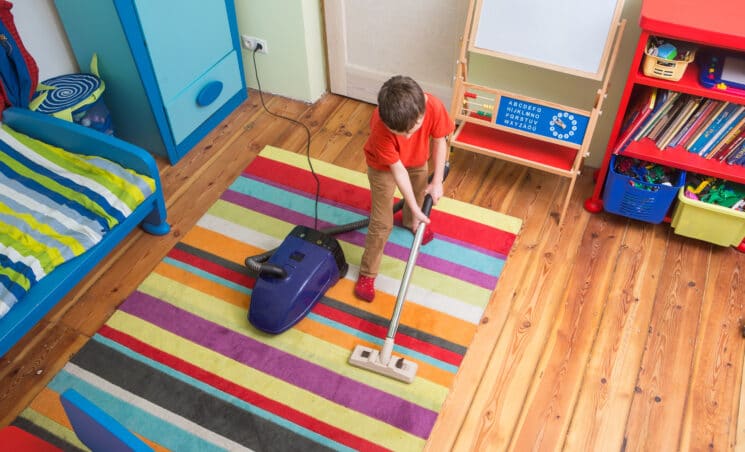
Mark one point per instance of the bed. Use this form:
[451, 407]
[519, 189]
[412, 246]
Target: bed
[148, 211]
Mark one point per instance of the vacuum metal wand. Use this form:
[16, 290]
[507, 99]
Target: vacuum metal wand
[383, 361]
[403, 289]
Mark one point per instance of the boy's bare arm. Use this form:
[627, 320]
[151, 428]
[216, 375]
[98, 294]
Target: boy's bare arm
[401, 176]
[438, 148]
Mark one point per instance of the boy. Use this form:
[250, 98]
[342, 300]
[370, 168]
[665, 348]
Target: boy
[405, 127]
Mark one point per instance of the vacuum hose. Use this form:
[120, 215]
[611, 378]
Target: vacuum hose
[258, 264]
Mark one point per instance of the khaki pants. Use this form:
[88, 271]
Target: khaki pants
[382, 188]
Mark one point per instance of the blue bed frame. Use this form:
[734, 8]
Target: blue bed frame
[151, 214]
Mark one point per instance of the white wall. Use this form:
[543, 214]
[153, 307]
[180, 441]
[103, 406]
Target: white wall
[295, 26]
[43, 35]
[295, 66]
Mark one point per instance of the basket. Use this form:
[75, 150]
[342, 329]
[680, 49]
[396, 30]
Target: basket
[657, 67]
[709, 222]
[622, 196]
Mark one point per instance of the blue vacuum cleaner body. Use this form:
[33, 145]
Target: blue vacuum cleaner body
[312, 262]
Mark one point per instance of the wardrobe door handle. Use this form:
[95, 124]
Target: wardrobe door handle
[209, 93]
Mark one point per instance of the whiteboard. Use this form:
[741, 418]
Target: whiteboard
[571, 36]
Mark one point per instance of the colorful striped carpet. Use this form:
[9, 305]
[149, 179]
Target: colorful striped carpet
[179, 364]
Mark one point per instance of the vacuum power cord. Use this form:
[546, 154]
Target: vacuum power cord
[259, 266]
[294, 121]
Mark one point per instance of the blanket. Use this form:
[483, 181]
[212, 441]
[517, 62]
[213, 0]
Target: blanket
[55, 205]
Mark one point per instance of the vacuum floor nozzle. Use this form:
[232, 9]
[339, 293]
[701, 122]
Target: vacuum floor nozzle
[397, 367]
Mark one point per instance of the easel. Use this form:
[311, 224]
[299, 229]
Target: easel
[520, 129]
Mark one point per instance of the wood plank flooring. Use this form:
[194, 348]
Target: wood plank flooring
[605, 334]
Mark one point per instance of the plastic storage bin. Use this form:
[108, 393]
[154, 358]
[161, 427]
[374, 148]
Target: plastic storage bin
[709, 222]
[654, 66]
[623, 198]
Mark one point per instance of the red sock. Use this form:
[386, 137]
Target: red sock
[364, 289]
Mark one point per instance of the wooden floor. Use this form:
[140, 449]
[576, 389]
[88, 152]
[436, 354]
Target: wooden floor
[606, 334]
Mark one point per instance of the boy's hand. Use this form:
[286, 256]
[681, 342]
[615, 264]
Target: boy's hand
[435, 190]
[419, 217]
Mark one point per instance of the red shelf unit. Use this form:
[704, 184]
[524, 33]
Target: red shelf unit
[713, 24]
[689, 84]
[647, 150]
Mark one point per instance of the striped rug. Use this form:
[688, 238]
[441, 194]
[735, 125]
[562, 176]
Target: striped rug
[179, 364]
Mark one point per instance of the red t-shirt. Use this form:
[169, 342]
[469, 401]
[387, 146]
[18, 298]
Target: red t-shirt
[384, 148]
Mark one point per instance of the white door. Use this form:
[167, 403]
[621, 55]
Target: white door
[370, 40]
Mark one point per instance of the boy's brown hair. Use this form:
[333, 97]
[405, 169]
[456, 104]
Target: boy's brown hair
[401, 103]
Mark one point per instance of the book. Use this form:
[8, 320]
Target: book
[664, 107]
[640, 99]
[740, 160]
[667, 118]
[661, 101]
[738, 155]
[689, 107]
[692, 125]
[732, 147]
[706, 120]
[636, 118]
[717, 117]
[723, 144]
[726, 126]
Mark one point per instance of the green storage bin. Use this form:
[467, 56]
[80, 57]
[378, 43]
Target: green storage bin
[708, 222]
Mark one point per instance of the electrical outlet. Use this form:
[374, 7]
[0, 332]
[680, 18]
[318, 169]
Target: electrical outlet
[250, 42]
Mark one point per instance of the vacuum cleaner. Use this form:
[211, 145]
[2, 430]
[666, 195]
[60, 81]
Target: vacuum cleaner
[293, 277]
[300, 271]
[383, 361]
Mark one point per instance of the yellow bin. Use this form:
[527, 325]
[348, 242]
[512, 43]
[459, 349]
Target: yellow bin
[708, 222]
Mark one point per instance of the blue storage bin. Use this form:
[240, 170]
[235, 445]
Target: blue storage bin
[623, 196]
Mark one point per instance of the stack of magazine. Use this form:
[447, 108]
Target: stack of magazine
[710, 128]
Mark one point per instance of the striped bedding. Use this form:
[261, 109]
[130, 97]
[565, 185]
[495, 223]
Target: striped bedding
[55, 205]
